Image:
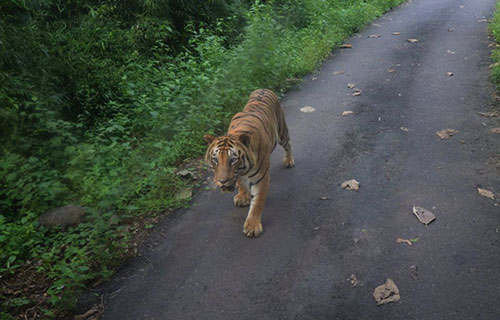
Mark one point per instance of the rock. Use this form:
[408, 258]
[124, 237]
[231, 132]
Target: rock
[67, 216]
[183, 194]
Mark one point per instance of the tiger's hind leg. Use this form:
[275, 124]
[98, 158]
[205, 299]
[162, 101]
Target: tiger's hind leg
[243, 197]
[288, 161]
[284, 138]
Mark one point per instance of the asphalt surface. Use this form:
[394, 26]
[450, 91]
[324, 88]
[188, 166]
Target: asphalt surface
[201, 266]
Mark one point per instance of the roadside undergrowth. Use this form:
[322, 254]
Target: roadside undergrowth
[101, 108]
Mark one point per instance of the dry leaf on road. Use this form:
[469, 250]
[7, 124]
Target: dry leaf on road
[351, 85]
[388, 292]
[404, 129]
[391, 70]
[351, 185]
[495, 130]
[324, 198]
[486, 193]
[356, 92]
[374, 36]
[347, 113]
[307, 109]
[336, 73]
[396, 33]
[401, 240]
[450, 52]
[449, 74]
[346, 46]
[414, 270]
[490, 114]
[423, 215]
[413, 40]
[446, 133]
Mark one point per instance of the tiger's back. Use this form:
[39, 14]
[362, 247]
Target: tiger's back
[263, 121]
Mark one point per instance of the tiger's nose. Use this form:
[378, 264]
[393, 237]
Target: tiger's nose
[223, 181]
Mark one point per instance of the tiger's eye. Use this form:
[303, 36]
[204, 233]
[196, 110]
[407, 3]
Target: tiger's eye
[234, 160]
[215, 160]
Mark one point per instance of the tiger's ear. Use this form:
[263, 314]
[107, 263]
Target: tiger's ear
[245, 139]
[208, 138]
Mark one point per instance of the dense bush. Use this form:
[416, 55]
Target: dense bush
[101, 101]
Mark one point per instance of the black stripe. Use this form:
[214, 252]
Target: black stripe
[262, 176]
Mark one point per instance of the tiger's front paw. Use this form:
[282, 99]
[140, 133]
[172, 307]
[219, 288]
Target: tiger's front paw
[252, 228]
[241, 199]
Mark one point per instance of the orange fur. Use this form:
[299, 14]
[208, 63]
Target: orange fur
[241, 157]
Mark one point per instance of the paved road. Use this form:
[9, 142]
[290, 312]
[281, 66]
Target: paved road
[203, 267]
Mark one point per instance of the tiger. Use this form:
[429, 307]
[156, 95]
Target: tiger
[241, 157]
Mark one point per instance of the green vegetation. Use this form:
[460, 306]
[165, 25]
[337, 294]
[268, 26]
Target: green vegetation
[494, 27]
[102, 101]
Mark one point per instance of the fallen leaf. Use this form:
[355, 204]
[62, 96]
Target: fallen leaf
[450, 30]
[400, 240]
[185, 173]
[482, 20]
[314, 79]
[490, 114]
[346, 46]
[183, 194]
[374, 36]
[307, 109]
[88, 314]
[355, 282]
[391, 70]
[413, 40]
[396, 33]
[404, 129]
[388, 292]
[449, 74]
[423, 215]
[324, 198]
[414, 270]
[486, 193]
[351, 185]
[450, 52]
[356, 92]
[446, 133]
[347, 113]
[495, 130]
[351, 85]
[414, 240]
[338, 72]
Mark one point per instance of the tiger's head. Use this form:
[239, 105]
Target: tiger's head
[227, 156]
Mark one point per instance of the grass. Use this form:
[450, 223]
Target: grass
[494, 27]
